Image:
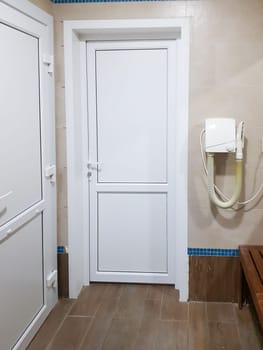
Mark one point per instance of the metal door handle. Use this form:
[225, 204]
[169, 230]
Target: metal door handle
[6, 195]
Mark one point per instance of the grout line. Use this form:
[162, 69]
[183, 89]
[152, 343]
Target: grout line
[224, 321]
[188, 323]
[206, 325]
[79, 316]
[174, 321]
[86, 332]
[234, 314]
[189, 327]
[238, 326]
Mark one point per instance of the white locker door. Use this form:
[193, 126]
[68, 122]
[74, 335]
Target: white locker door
[131, 90]
[21, 221]
[21, 291]
[20, 152]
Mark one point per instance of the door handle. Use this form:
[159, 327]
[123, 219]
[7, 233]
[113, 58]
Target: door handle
[6, 195]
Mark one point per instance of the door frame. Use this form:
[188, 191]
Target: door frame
[76, 33]
[21, 14]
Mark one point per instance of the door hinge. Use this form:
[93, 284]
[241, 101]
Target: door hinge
[49, 61]
[50, 173]
[52, 279]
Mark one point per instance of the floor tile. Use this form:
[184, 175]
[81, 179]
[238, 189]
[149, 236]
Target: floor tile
[221, 312]
[251, 336]
[113, 291]
[110, 316]
[172, 335]
[52, 323]
[198, 327]
[96, 335]
[132, 302]
[121, 335]
[100, 326]
[223, 336]
[89, 300]
[171, 308]
[71, 334]
[155, 291]
[148, 330]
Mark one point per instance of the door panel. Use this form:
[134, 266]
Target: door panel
[21, 271]
[131, 94]
[129, 223]
[132, 115]
[20, 150]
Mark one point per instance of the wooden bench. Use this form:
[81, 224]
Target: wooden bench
[251, 260]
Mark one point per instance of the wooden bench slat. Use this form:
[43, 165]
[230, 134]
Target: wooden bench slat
[258, 261]
[250, 271]
[252, 264]
[259, 309]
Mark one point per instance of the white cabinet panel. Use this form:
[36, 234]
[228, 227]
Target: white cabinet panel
[20, 149]
[132, 115]
[21, 271]
[132, 232]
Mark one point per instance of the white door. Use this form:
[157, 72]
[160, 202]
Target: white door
[131, 169]
[26, 197]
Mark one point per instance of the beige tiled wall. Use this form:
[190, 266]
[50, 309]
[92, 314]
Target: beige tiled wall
[226, 79]
[226, 75]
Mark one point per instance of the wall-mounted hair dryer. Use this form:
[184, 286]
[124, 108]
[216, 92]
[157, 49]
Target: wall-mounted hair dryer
[222, 136]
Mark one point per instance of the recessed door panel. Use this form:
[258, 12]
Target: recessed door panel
[20, 142]
[21, 271]
[132, 232]
[132, 115]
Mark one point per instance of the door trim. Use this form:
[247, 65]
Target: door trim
[75, 35]
[26, 17]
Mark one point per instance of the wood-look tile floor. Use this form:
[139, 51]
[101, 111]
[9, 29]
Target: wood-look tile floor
[145, 317]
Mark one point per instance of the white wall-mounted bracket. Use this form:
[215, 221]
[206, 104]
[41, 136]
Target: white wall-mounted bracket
[49, 61]
[51, 280]
[50, 173]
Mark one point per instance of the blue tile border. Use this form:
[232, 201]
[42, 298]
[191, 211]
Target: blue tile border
[82, 1]
[212, 252]
[60, 249]
[192, 251]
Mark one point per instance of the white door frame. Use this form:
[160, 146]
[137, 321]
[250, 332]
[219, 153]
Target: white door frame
[24, 14]
[75, 35]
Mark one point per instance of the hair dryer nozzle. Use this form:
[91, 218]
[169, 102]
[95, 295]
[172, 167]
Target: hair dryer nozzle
[240, 140]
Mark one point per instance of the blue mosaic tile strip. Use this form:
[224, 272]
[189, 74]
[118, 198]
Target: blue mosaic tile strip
[60, 249]
[81, 1]
[213, 252]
